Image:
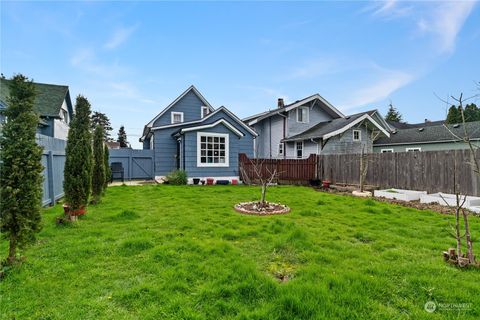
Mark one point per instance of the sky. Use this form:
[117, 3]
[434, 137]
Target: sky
[131, 59]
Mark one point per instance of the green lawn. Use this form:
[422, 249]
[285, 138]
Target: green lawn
[167, 252]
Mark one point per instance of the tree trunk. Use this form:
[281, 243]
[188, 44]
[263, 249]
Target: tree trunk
[264, 194]
[468, 239]
[12, 251]
[457, 227]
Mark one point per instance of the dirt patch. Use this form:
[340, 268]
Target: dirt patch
[255, 208]
[409, 204]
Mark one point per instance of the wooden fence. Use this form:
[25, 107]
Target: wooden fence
[431, 171]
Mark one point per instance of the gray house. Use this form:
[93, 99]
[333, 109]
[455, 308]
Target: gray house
[191, 135]
[314, 126]
[53, 105]
[428, 136]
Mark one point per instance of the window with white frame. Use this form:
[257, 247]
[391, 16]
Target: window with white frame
[65, 115]
[302, 114]
[177, 117]
[280, 149]
[299, 149]
[205, 111]
[386, 150]
[357, 135]
[413, 149]
[212, 149]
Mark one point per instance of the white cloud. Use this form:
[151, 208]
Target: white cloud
[445, 21]
[119, 36]
[382, 87]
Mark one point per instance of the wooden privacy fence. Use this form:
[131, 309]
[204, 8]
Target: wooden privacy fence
[431, 171]
[291, 170]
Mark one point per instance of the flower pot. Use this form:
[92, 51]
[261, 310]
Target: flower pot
[326, 183]
[196, 180]
[77, 212]
[210, 181]
[234, 181]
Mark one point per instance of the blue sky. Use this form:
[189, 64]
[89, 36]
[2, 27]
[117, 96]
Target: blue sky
[132, 58]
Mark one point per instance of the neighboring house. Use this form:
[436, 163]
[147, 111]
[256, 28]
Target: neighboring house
[314, 126]
[191, 135]
[113, 145]
[53, 105]
[428, 136]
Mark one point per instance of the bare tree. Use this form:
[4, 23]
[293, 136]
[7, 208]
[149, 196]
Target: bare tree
[263, 174]
[366, 157]
[474, 162]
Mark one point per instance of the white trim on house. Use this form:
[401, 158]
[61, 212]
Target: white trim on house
[227, 149]
[296, 149]
[203, 112]
[421, 142]
[413, 149]
[359, 135]
[300, 112]
[353, 123]
[211, 125]
[281, 149]
[191, 88]
[172, 117]
[386, 150]
[253, 132]
[254, 119]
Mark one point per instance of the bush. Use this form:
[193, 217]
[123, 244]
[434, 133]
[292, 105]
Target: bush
[177, 177]
[98, 177]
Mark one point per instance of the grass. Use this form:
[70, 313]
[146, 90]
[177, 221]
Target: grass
[182, 252]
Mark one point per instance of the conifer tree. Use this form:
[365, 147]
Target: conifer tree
[21, 168]
[122, 137]
[393, 114]
[454, 115]
[98, 177]
[108, 172]
[100, 118]
[78, 164]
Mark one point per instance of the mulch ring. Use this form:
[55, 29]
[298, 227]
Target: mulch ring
[409, 204]
[254, 208]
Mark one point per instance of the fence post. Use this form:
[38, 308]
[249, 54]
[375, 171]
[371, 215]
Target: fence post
[51, 182]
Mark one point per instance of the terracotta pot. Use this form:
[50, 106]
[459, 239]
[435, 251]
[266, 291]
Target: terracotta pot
[210, 181]
[326, 184]
[234, 181]
[70, 212]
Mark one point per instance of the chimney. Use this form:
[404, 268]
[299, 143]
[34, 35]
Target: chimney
[280, 103]
[427, 121]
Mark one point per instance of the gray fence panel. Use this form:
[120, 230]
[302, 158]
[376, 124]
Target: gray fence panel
[137, 164]
[53, 161]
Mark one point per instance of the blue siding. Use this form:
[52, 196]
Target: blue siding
[46, 130]
[166, 146]
[237, 145]
[190, 105]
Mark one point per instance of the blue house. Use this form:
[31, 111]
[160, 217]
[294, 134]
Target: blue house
[191, 135]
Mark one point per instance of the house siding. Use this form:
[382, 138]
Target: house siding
[237, 145]
[190, 105]
[270, 133]
[437, 146]
[166, 146]
[309, 148]
[344, 144]
[316, 115]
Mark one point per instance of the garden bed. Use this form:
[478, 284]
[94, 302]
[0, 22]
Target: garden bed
[256, 208]
[399, 194]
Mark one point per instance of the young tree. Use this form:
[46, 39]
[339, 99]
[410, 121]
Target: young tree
[108, 172]
[21, 168]
[471, 112]
[122, 137]
[453, 115]
[77, 182]
[101, 119]
[98, 177]
[393, 114]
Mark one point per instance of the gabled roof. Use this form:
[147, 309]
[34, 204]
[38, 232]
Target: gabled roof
[404, 125]
[327, 129]
[191, 88]
[48, 101]
[331, 110]
[431, 134]
[211, 125]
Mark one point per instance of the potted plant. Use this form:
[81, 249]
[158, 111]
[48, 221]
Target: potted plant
[196, 181]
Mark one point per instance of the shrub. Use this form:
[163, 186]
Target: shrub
[98, 177]
[20, 167]
[108, 171]
[78, 163]
[177, 177]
